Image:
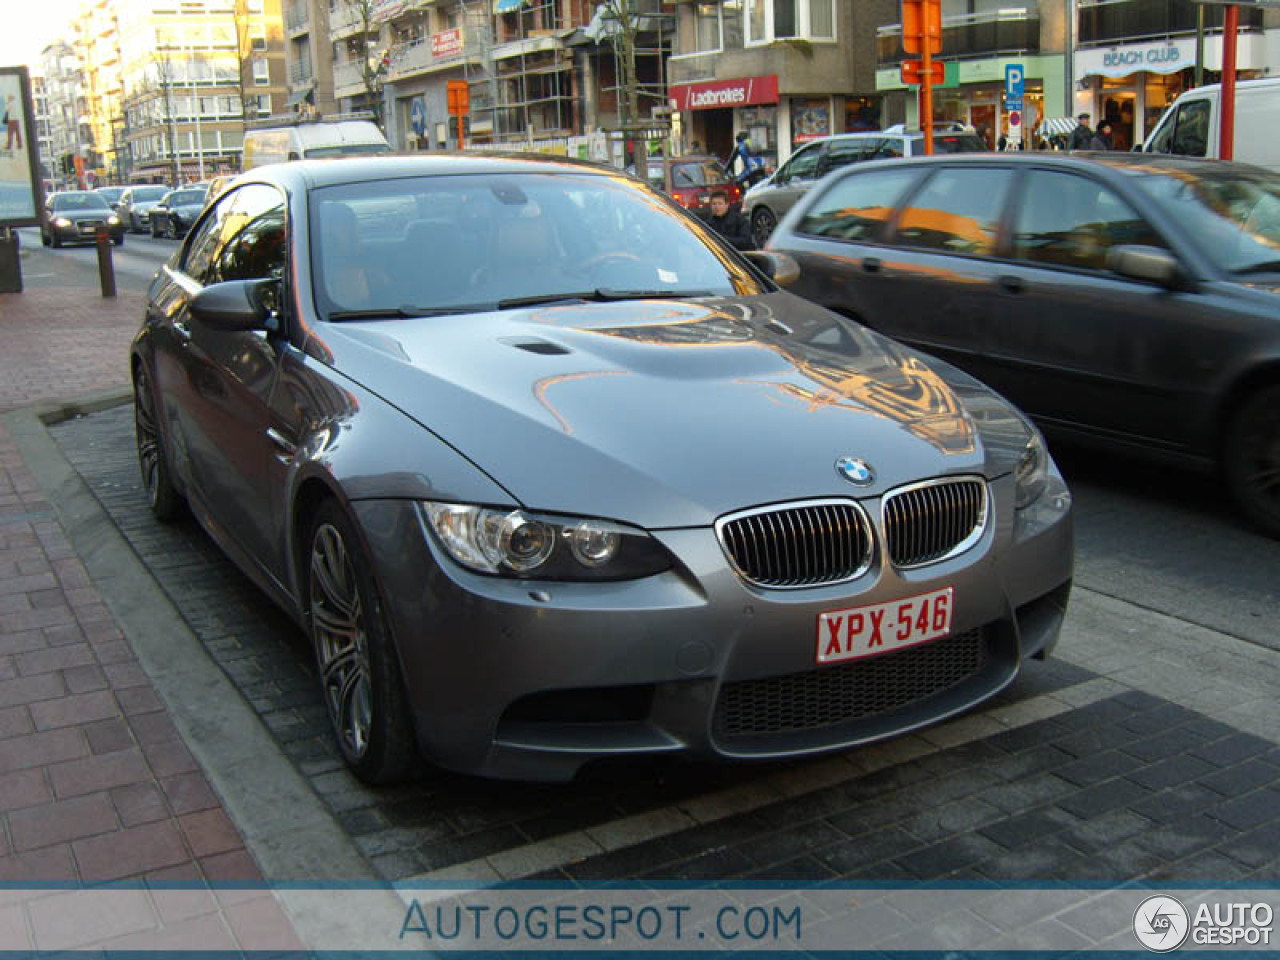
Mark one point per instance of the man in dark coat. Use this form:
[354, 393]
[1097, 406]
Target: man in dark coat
[1081, 137]
[730, 224]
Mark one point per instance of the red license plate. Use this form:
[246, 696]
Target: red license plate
[881, 627]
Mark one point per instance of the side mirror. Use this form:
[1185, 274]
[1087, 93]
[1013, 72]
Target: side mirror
[238, 305]
[781, 268]
[1150, 264]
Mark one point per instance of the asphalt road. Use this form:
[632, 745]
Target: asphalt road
[1162, 538]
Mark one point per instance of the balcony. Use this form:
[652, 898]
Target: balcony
[300, 74]
[297, 18]
[971, 36]
[1122, 21]
[416, 56]
[344, 20]
[348, 79]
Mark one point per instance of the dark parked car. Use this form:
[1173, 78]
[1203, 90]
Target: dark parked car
[772, 198]
[551, 474]
[75, 216]
[690, 180]
[136, 203]
[1125, 298]
[176, 211]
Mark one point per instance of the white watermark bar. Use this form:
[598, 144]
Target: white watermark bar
[652, 918]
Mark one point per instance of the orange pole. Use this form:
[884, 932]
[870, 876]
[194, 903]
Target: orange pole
[926, 97]
[1227, 128]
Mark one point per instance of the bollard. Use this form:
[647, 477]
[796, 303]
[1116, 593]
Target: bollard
[106, 271]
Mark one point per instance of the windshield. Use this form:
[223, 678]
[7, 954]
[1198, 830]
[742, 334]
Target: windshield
[700, 174]
[110, 194]
[148, 193]
[186, 198]
[79, 201]
[1233, 215]
[472, 242]
[347, 150]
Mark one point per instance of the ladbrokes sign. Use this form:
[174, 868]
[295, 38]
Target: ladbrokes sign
[717, 94]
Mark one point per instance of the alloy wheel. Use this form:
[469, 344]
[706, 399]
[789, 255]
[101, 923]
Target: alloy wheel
[762, 223]
[1254, 458]
[342, 648]
[150, 454]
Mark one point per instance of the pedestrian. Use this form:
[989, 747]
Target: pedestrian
[1081, 136]
[729, 223]
[741, 153]
[12, 123]
[1102, 139]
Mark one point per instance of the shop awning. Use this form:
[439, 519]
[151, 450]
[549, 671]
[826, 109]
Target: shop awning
[1057, 126]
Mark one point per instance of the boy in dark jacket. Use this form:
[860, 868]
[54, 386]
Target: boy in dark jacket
[730, 224]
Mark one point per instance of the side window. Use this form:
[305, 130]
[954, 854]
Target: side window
[856, 207]
[958, 211]
[805, 163]
[201, 249]
[1159, 142]
[253, 245]
[841, 153]
[1071, 221]
[1191, 134]
[888, 148]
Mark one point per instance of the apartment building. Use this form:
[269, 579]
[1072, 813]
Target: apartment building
[189, 65]
[97, 45]
[65, 105]
[309, 56]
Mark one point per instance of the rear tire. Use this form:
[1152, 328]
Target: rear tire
[44, 239]
[763, 223]
[1251, 458]
[56, 241]
[355, 655]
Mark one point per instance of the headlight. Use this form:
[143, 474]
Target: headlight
[62, 222]
[1033, 471]
[113, 220]
[515, 543]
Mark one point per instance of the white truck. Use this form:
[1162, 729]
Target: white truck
[279, 140]
[1190, 126]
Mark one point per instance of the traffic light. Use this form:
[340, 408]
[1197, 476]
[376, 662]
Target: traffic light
[922, 19]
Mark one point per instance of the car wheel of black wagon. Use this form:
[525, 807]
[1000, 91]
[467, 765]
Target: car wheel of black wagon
[166, 502]
[762, 223]
[1252, 458]
[359, 672]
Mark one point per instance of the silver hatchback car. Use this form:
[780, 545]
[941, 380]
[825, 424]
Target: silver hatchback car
[770, 200]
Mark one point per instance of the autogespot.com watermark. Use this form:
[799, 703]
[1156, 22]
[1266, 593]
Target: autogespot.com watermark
[1163, 924]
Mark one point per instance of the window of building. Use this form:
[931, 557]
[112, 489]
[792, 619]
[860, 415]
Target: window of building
[707, 28]
[769, 20]
[258, 38]
[261, 72]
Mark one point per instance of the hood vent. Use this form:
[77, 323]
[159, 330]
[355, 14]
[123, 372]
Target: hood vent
[534, 345]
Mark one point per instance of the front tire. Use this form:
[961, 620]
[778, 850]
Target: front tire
[355, 656]
[763, 223]
[165, 500]
[44, 239]
[1251, 458]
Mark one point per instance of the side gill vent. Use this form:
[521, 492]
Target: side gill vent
[533, 345]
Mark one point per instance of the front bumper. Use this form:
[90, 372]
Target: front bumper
[84, 232]
[531, 680]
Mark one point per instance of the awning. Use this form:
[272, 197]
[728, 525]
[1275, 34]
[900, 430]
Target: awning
[1057, 126]
[301, 96]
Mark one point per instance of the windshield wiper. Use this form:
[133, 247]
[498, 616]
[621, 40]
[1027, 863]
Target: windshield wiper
[600, 295]
[1266, 266]
[401, 313]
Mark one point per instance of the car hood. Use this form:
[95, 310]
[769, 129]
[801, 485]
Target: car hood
[670, 413]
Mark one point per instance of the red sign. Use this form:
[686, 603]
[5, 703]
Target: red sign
[459, 97]
[921, 20]
[718, 94]
[1015, 119]
[913, 72]
[447, 43]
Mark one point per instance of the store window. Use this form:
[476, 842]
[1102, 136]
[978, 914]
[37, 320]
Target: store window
[770, 20]
[810, 120]
[861, 113]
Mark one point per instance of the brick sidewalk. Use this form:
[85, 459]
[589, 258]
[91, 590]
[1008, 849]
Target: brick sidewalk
[95, 783]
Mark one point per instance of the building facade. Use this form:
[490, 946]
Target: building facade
[66, 104]
[309, 56]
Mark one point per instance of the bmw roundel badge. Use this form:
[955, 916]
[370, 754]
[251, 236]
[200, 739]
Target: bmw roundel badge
[858, 472]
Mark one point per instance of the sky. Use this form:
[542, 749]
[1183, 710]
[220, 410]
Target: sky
[29, 26]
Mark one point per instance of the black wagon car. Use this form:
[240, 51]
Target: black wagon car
[1123, 298]
[76, 216]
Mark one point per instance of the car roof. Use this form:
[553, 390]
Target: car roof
[1119, 163]
[310, 174]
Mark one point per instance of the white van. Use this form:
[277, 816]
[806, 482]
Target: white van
[1190, 126]
[311, 139]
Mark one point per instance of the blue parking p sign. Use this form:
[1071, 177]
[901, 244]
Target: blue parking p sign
[1013, 77]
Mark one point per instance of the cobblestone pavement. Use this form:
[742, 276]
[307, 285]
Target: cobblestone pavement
[1070, 775]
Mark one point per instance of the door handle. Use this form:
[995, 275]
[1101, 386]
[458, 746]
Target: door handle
[1011, 284]
[871, 264]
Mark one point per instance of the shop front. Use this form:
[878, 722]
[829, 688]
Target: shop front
[1131, 85]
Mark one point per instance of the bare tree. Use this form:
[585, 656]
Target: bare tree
[244, 58]
[372, 66]
[622, 26]
[166, 75]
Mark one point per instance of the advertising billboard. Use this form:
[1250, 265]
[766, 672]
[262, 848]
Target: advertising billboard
[20, 186]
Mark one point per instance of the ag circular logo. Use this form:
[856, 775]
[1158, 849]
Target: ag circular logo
[855, 471]
[1161, 923]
